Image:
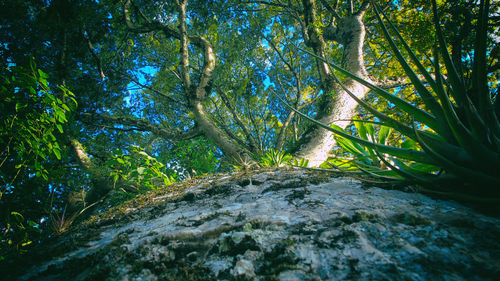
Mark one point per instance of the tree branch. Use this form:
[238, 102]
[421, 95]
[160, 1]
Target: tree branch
[219, 120]
[186, 78]
[195, 96]
[364, 7]
[246, 131]
[139, 125]
[153, 90]
[331, 9]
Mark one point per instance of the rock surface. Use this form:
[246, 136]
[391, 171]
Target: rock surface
[275, 225]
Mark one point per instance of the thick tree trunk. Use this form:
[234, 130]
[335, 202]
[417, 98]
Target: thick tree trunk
[229, 147]
[337, 106]
[101, 184]
[195, 92]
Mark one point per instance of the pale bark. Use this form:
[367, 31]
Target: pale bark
[100, 183]
[195, 93]
[337, 106]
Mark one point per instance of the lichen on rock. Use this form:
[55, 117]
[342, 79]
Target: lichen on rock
[275, 225]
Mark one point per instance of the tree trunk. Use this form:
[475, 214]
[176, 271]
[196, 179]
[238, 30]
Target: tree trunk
[100, 182]
[337, 107]
[229, 147]
[195, 92]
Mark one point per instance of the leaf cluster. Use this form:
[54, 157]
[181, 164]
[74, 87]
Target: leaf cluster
[31, 140]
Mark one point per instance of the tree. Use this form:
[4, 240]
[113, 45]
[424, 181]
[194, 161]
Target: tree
[177, 78]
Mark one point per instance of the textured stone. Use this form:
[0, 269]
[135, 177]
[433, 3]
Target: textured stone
[275, 225]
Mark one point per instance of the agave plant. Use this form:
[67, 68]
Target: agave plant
[464, 135]
[364, 157]
[275, 158]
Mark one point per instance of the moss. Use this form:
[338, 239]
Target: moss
[247, 227]
[244, 182]
[218, 189]
[277, 260]
[241, 217]
[188, 197]
[411, 219]
[286, 184]
[364, 216]
[298, 194]
[234, 244]
[187, 272]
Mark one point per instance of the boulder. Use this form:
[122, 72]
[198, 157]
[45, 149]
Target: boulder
[273, 225]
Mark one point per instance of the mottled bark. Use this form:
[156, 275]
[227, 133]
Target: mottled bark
[100, 183]
[336, 107]
[195, 93]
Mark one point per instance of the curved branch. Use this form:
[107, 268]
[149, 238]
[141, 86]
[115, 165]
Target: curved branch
[130, 78]
[94, 54]
[139, 125]
[195, 96]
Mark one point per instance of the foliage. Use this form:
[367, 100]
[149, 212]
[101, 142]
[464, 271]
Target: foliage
[17, 235]
[300, 163]
[246, 163]
[33, 119]
[464, 130]
[138, 171]
[273, 158]
[196, 157]
[363, 156]
[367, 159]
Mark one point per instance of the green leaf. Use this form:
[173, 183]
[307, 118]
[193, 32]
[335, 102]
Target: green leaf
[17, 215]
[61, 116]
[361, 130]
[57, 153]
[19, 106]
[43, 74]
[370, 131]
[383, 134]
[60, 128]
[409, 144]
[427, 97]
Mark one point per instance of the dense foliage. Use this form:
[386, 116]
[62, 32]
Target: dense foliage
[162, 91]
[33, 120]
